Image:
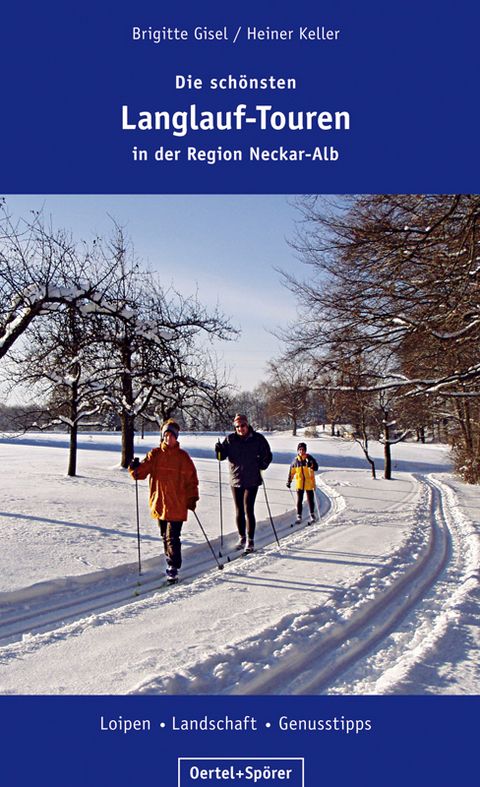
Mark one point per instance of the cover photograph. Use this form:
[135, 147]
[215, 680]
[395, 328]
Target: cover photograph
[240, 393]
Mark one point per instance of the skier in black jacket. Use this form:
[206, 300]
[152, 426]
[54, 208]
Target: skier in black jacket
[248, 453]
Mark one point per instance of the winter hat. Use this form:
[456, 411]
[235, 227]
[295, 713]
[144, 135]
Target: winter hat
[301, 445]
[170, 426]
[240, 419]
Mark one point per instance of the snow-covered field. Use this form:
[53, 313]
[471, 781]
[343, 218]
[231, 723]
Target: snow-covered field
[381, 596]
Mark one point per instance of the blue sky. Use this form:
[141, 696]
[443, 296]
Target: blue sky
[228, 245]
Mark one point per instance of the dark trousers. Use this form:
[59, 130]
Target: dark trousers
[310, 498]
[244, 500]
[171, 541]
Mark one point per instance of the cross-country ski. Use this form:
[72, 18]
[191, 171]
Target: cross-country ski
[151, 587]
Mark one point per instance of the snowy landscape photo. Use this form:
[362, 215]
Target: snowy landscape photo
[379, 596]
[347, 325]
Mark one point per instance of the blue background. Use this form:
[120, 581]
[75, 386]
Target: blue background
[57, 741]
[408, 75]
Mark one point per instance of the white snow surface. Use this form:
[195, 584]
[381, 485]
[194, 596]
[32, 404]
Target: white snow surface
[380, 596]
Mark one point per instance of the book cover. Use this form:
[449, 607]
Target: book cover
[197, 128]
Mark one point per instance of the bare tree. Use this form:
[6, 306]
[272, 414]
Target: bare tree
[157, 365]
[57, 364]
[254, 404]
[142, 343]
[42, 268]
[402, 273]
[288, 390]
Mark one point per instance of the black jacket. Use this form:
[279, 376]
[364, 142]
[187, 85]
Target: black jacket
[246, 458]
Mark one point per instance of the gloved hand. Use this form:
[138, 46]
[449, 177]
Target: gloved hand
[134, 463]
[191, 504]
[289, 483]
[218, 448]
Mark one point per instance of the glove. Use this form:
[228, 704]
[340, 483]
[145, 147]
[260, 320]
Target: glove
[218, 448]
[134, 463]
[289, 483]
[191, 504]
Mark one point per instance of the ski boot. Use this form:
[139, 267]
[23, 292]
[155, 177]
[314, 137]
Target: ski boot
[172, 575]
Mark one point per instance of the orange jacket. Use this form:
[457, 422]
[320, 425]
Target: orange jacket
[173, 482]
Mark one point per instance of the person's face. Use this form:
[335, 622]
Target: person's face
[302, 451]
[169, 439]
[241, 429]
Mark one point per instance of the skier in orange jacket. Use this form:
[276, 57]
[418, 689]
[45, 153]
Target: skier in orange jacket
[173, 491]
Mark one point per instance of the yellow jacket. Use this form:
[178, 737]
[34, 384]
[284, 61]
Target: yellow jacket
[303, 471]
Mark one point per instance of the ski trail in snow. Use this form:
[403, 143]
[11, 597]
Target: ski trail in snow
[433, 622]
[44, 607]
[304, 654]
[366, 637]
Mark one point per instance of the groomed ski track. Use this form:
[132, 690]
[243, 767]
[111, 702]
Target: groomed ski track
[49, 605]
[345, 620]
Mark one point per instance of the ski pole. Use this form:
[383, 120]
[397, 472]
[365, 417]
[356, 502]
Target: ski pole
[138, 523]
[316, 503]
[269, 512]
[219, 565]
[295, 502]
[220, 496]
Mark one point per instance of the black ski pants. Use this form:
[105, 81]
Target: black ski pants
[310, 498]
[171, 541]
[244, 499]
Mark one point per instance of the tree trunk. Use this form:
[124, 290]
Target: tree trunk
[372, 465]
[363, 443]
[421, 434]
[370, 461]
[388, 460]
[127, 417]
[72, 454]
[128, 437]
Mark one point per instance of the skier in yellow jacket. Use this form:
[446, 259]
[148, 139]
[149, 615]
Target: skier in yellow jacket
[173, 491]
[303, 469]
